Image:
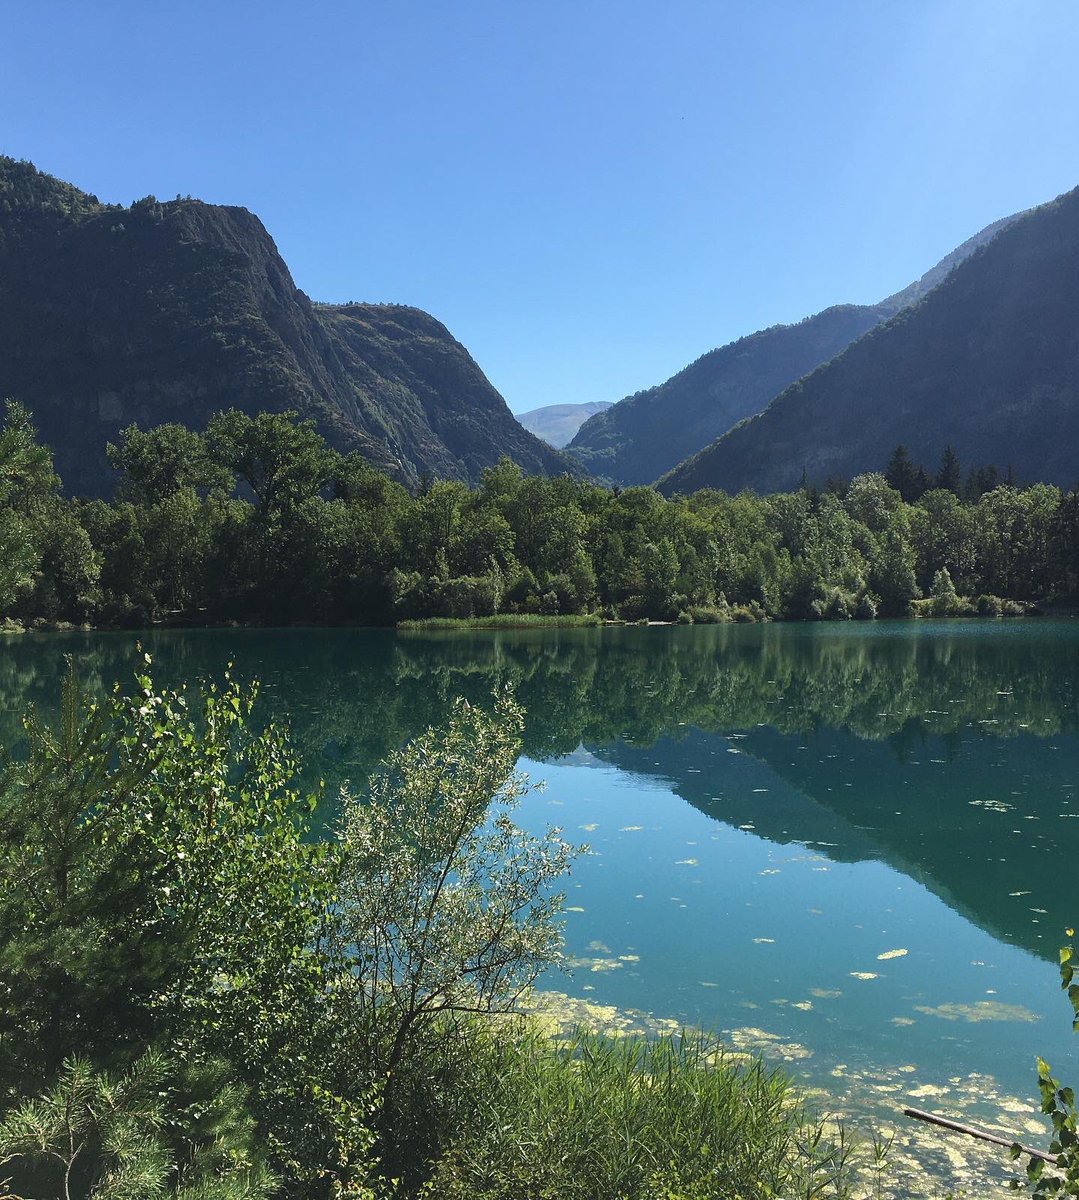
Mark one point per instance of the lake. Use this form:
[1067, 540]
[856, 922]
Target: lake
[850, 847]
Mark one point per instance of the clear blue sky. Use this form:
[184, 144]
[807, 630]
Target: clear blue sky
[590, 195]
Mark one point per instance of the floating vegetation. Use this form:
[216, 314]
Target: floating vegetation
[560, 1014]
[631, 829]
[864, 975]
[591, 827]
[595, 963]
[686, 862]
[981, 1010]
[927, 1089]
[765, 941]
[824, 993]
[998, 806]
[759, 1041]
[892, 954]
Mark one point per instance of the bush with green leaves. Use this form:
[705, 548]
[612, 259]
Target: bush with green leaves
[444, 905]
[1058, 1103]
[157, 892]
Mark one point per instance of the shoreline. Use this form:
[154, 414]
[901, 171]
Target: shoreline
[13, 628]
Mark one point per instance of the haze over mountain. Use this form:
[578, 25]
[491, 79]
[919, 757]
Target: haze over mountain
[557, 423]
[172, 311]
[987, 363]
[645, 435]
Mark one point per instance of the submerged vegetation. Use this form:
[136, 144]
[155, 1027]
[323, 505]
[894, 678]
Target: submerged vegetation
[203, 1002]
[258, 520]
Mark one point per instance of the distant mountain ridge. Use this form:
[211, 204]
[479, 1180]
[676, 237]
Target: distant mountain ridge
[648, 434]
[557, 423]
[987, 362]
[171, 311]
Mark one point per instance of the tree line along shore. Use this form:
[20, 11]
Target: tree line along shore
[259, 520]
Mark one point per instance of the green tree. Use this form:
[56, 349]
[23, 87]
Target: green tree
[903, 475]
[891, 575]
[446, 903]
[156, 463]
[114, 1138]
[281, 459]
[26, 479]
[949, 475]
[157, 891]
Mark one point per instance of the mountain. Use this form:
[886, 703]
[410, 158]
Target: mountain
[172, 311]
[987, 362]
[647, 434]
[557, 423]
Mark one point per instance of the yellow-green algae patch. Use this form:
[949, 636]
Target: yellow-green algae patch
[922, 1161]
[596, 963]
[983, 1010]
[769, 1045]
[559, 1014]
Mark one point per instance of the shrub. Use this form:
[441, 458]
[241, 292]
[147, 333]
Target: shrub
[867, 608]
[703, 614]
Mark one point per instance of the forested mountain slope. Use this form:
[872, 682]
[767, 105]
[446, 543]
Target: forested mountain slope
[987, 363]
[645, 435]
[172, 311]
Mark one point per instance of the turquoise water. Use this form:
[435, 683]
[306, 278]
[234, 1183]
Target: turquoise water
[852, 847]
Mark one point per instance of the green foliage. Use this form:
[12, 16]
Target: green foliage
[156, 463]
[157, 891]
[283, 461]
[1060, 1178]
[26, 479]
[636, 1119]
[319, 538]
[447, 903]
[204, 1003]
[113, 1138]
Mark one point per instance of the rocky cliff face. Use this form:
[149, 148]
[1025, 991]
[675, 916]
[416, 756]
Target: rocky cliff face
[172, 311]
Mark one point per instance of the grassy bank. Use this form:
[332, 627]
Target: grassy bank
[505, 621]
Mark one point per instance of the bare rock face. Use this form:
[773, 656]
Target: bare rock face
[173, 311]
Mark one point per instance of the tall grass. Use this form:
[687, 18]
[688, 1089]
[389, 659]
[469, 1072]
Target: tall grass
[503, 621]
[635, 1119]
